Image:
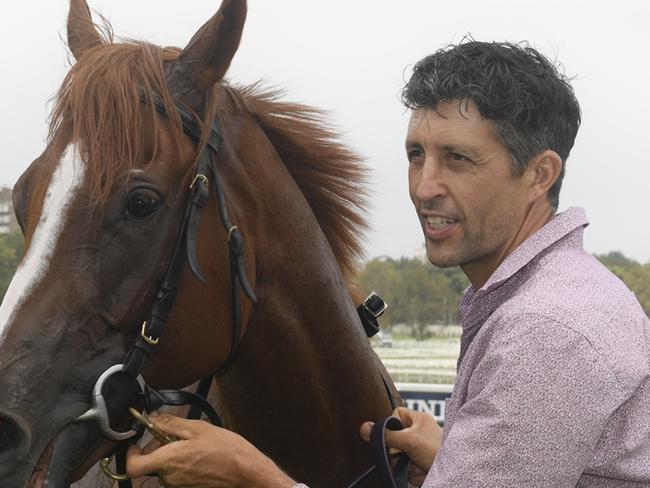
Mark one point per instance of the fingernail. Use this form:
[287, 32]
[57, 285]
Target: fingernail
[366, 427]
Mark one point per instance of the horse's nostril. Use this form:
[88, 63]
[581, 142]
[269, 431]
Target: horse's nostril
[12, 440]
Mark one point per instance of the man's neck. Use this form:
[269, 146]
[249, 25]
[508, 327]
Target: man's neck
[478, 272]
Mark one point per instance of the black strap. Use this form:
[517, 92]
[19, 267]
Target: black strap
[236, 313]
[158, 398]
[186, 247]
[235, 239]
[398, 477]
[161, 309]
[394, 402]
[368, 320]
[390, 478]
[200, 193]
[202, 390]
[120, 464]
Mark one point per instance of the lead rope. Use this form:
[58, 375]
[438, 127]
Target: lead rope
[396, 477]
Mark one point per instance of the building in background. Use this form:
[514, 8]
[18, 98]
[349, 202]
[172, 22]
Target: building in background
[8, 222]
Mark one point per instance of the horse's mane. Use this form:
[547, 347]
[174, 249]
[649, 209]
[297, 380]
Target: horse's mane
[98, 104]
[331, 176]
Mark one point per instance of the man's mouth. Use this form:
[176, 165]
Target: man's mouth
[438, 223]
[437, 227]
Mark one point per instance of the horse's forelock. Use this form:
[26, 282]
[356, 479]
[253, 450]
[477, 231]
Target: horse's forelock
[99, 106]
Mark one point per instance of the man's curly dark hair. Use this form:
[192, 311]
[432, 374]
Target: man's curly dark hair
[530, 103]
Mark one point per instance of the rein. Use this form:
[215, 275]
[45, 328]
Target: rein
[152, 328]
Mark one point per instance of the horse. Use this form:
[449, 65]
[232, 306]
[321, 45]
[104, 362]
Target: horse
[101, 210]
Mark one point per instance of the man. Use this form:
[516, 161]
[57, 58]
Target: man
[553, 385]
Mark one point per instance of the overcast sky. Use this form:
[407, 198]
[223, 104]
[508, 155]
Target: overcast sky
[351, 57]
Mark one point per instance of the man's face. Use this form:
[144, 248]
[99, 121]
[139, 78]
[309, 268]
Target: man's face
[470, 205]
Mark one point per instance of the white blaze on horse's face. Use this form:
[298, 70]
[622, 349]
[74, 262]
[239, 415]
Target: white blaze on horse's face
[66, 179]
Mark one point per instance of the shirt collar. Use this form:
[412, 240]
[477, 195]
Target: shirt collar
[556, 229]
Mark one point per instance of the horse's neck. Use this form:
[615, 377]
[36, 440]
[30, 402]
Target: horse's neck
[302, 384]
[305, 376]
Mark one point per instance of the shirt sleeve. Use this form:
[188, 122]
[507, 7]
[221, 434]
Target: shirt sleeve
[534, 409]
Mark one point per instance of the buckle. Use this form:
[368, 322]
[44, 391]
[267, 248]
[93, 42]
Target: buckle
[148, 339]
[199, 177]
[375, 305]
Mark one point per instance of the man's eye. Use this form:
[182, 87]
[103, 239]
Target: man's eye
[458, 158]
[414, 155]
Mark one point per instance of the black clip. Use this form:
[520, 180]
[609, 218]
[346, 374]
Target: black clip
[369, 311]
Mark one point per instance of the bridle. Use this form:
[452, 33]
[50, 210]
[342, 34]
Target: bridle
[152, 328]
[184, 249]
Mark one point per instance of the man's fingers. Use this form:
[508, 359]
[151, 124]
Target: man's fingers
[365, 429]
[398, 440]
[421, 437]
[393, 437]
[407, 416]
[179, 427]
[152, 446]
[138, 464]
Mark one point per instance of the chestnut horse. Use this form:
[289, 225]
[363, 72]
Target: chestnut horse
[101, 210]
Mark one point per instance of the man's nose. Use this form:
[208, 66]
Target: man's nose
[432, 183]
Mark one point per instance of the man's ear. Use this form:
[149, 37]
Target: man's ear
[543, 171]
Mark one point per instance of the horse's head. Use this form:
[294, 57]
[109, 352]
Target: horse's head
[101, 210]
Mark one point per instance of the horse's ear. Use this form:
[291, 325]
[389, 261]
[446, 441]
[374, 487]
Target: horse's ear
[208, 54]
[81, 30]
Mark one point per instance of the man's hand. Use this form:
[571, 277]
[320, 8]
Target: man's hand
[420, 439]
[205, 456]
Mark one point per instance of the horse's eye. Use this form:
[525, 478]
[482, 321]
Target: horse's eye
[142, 203]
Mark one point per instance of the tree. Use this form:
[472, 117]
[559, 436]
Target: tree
[633, 274]
[617, 263]
[616, 259]
[417, 293]
[638, 280]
